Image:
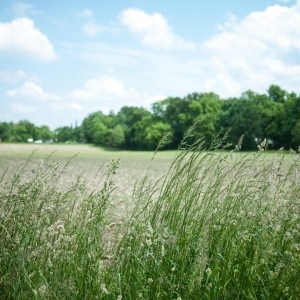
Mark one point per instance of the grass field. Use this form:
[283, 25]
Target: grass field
[85, 223]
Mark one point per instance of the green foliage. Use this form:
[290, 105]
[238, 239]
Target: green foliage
[204, 110]
[94, 128]
[22, 131]
[214, 226]
[5, 131]
[64, 134]
[273, 116]
[43, 133]
[155, 132]
[115, 137]
[131, 118]
[52, 234]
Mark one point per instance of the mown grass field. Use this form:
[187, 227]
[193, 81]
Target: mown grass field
[85, 223]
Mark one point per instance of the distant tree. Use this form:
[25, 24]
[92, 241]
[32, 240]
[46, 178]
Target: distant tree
[155, 132]
[6, 131]
[175, 112]
[95, 127]
[295, 142]
[290, 121]
[22, 131]
[64, 134]
[115, 137]
[204, 111]
[274, 115]
[276, 93]
[242, 117]
[150, 131]
[79, 134]
[129, 117]
[43, 133]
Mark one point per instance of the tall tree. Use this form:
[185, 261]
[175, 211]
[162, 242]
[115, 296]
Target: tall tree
[22, 131]
[42, 133]
[129, 118]
[242, 117]
[95, 127]
[64, 134]
[6, 131]
[175, 112]
[204, 111]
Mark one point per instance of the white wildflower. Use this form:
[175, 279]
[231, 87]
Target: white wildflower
[208, 271]
[42, 289]
[104, 289]
[149, 230]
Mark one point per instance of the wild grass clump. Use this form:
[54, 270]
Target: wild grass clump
[218, 225]
[51, 233]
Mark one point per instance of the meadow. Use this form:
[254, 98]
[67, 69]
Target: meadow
[81, 222]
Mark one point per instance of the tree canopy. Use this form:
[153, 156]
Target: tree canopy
[274, 116]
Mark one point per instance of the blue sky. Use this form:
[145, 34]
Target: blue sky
[60, 62]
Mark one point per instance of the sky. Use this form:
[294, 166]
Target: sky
[60, 62]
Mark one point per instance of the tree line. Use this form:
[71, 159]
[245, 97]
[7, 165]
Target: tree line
[274, 116]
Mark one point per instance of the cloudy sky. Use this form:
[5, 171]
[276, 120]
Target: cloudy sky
[59, 62]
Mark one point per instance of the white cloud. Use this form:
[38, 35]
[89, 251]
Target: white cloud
[255, 52]
[106, 93]
[9, 76]
[21, 36]
[91, 27]
[63, 106]
[104, 87]
[153, 29]
[31, 89]
[23, 109]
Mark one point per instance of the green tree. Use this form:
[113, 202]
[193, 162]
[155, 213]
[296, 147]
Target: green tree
[204, 110]
[296, 135]
[242, 117]
[129, 117]
[150, 131]
[276, 93]
[64, 134]
[43, 133]
[22, 131]
[283, 114]
[115, 137]
[95, 127]
[290, 121]
[175, 112]
[79, 134]
[155, 132]
[6, 131]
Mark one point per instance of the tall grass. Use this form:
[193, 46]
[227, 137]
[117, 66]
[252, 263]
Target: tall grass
[215, 226]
